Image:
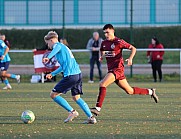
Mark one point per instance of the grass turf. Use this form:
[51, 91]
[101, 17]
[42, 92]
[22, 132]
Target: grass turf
[122, 116]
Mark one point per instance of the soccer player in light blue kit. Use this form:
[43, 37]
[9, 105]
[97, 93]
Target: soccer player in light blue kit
[72, 78]
[4, 64]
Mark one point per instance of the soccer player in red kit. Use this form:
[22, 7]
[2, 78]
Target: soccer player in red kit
[112, 48]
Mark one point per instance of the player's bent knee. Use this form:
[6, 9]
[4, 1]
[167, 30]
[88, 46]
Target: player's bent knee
[102, 84]
[53, 95]
[75, 98]
[3, 74]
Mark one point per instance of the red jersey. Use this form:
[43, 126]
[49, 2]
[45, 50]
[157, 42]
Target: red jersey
[156, 55]
[113, 52]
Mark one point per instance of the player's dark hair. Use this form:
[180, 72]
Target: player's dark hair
[156, 40]
[108, 26]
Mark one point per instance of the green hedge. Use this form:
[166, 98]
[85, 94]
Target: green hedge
[170, 37]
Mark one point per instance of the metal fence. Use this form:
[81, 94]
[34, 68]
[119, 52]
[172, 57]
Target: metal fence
[168, 67]
[29, 13]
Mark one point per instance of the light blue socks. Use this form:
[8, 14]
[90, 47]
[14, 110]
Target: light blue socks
[62, 102]
[83, 105]
[13, 76]
[6, 82]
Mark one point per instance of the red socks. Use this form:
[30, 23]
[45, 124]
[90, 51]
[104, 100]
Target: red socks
[140, 91]
[100, 99]
[102, 94]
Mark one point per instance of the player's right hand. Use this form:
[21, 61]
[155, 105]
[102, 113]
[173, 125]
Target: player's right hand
[45, 60]
[130, 62]
[49, 76]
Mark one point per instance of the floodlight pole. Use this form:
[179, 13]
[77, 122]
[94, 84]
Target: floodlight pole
[131, 33]
[63, 18]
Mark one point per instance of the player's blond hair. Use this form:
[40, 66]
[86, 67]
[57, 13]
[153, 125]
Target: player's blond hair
[50, 35]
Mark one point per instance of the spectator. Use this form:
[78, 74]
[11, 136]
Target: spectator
[64, 41]
[156, 58]
[94, 45]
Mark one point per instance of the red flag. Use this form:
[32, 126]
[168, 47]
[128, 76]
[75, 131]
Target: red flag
[39, 66]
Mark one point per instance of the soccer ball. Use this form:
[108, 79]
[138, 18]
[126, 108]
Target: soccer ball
[27, 117]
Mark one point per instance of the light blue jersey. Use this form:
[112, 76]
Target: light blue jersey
[2, 49]
[65, 58]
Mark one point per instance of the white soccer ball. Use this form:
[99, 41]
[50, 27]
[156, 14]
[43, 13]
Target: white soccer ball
[27, 117]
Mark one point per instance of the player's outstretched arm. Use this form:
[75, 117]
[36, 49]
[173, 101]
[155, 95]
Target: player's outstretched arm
[55, 50]
[101, 56]
[57, 71]
[133, 52]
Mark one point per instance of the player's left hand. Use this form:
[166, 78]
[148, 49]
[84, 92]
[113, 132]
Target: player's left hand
[2, 57]
[49, 76]
[45, 60]
[130, 62]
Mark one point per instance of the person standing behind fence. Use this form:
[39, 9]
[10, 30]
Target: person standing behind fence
[156, 58]
[94, 45]
[65, 42]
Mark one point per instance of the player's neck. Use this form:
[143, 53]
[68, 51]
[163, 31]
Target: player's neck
[56, 41]
[112, 38]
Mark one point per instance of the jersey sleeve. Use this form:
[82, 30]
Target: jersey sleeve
[57, 71]
[55, 50]
[124, 44]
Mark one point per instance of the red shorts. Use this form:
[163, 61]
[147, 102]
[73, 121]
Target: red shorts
[118, 73]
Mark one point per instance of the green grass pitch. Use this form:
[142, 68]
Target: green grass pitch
[122, 117]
